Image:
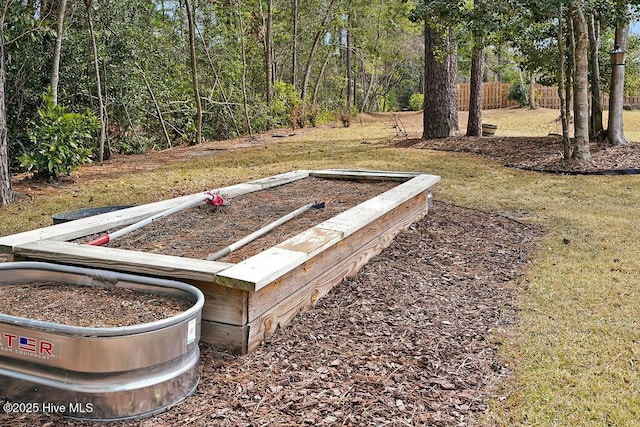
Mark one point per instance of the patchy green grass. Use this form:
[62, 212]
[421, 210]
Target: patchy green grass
[543, 121]
[576, 350]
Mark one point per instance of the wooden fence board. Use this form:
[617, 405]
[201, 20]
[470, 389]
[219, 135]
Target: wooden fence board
[494, 96]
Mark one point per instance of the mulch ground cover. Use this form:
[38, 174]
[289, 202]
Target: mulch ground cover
[407, 341]
[88, 306]
[538, 153]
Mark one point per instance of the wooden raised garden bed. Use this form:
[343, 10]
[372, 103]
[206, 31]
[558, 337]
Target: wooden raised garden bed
[253, 291]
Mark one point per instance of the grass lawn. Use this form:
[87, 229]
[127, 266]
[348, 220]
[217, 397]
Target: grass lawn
[575, 353]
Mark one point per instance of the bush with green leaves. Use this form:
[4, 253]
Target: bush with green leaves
[325, 117]
[518, 93]
[285, 102]
[416, 102]
[59, 139]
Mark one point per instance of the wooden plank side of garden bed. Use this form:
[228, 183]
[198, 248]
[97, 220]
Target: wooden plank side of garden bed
[242, 339]
[370, 210]
[365, 175]
[121, 260]
[280, 179]
[112, 220]
[222, 304]
[232, 338]
[307, 295]
[261, 183]
[90, 225]
[355, 248]
[260, 270]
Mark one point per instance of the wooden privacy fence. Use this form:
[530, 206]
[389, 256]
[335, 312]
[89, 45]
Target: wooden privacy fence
[494, 96]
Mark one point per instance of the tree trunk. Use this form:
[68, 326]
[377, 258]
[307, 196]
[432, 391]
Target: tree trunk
[268, 54]
[452, 73]
[581, 150]
[367, 92]
[316, 86]
[474, 123]
[596, 127]
[218, 83]
[349, 71]
[500, 74]
[566, 142]
[6, 195]
[102, 114]
[437, 115]
[294, 44]
[533, 104]
[55, 72]
[243, 51]
[314, 49]
[569, 78]
[615, 131]
[156, 105]
[194, 70]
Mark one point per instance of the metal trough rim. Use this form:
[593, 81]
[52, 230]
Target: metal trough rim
[111, 384]
[111, 276]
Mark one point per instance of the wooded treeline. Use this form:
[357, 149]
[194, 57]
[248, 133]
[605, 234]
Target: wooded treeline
[253, 62]
[557, 40]
[162, 72]
[82, 80]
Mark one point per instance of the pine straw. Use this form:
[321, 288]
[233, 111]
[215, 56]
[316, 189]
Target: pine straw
[537, 153]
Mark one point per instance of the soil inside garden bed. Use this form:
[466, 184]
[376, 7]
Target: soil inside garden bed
[199, 231]
[88, 306]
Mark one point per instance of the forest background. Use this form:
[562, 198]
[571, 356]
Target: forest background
[81, 81]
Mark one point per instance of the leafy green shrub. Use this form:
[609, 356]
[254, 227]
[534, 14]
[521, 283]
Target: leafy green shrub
[285, 102]
[389, 102]
[325, 117]
[137, 144]
[416, 102]
[59, 139]
[518, 93]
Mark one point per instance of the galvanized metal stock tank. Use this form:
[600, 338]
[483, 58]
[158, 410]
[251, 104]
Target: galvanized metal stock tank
[99, 373]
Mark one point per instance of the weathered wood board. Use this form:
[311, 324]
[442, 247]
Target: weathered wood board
[247, 301]
[100, 223]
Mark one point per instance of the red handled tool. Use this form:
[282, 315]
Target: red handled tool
[207, 197]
